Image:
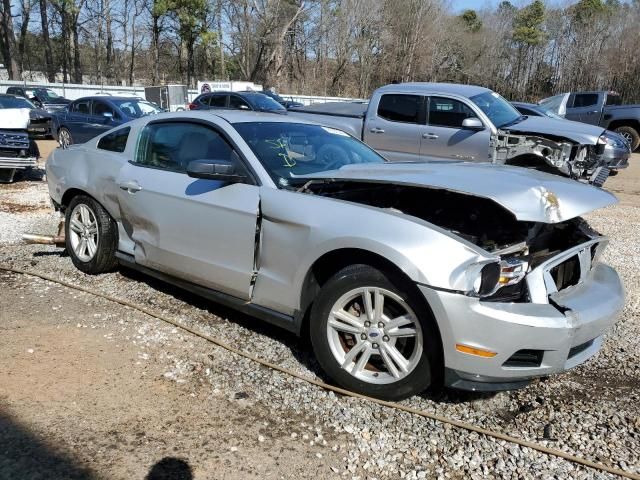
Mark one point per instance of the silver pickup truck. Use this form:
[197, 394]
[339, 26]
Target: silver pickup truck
[444, 122]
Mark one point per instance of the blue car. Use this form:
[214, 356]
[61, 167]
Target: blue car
[88, 117]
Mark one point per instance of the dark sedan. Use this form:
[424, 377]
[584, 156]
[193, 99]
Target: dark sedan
[88, 117]
[255, 101]
[39, 120]
[282, 101]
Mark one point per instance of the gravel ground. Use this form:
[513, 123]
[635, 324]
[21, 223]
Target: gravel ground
[592, 411]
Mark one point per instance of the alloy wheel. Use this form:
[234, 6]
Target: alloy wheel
[374, 335]
[83, 232]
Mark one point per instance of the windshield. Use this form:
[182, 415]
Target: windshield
[499, 111]
[264, 103]
[275, 96]
[549, 113]
[555, 104]
[46, 94]
[14, 102]
[133, 108]
[287, 150]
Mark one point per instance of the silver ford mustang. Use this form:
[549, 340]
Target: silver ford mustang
[403, 275]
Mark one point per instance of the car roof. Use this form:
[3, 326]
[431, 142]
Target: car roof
[233, 116]
[427, 87]
[106, 97]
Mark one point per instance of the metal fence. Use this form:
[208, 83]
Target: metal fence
[73, 91]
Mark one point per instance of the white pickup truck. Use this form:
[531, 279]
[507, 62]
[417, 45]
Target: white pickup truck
[450, 122]
[17, 150]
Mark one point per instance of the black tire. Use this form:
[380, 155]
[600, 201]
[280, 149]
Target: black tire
[427, 369]
[631, 134]
[104, 258]
[63, 134]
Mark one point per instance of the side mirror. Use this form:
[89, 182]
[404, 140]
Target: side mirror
[472, 123]
[215, 170]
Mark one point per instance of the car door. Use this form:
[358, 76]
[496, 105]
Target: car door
[445, 139]
[199, 230]
[103, 117]
[76, 120]
[395, 127]
[585, 108]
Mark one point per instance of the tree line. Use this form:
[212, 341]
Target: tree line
[327, 47]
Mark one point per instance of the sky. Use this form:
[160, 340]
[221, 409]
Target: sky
[458, 6]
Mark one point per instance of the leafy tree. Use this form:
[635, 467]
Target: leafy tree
[471, 20]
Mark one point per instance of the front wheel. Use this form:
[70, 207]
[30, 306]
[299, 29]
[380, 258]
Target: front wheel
[91, 236]
[631, 135]
[371, 337]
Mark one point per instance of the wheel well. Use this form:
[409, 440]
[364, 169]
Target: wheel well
[332, 262]
[625, 123]
[68, 196]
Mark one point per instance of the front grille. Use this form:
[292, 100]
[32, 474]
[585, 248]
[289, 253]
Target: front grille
[525, 358]
[578, 349]
[567, 273]
[15, 140]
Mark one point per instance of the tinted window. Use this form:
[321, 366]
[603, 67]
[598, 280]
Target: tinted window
[81, 106]
[400, 108]
[264, 103]
[115, 141]
[238, 103]
[218, 101]
[585, 100]
[100, 108]
[614, 99]
[172, 145]
[446, 112]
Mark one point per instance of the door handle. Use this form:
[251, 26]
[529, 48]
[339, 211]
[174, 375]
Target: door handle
[131, 186]
[592, 112]
[430, 136]
[376, 130]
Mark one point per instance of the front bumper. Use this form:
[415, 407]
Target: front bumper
[40, 127]
[566, 331]
[615, 158]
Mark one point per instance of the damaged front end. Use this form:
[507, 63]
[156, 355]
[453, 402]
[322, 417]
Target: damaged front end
[552, 155]
[17, 150]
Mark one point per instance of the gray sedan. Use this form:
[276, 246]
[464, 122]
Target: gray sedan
[404, 276]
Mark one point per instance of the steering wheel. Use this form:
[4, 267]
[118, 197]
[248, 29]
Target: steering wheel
[332, 156]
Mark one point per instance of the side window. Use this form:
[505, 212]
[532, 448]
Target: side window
[614, 99]
[447, 112]
[81, 106]
[217, 101]
[100, 108]
[238, 103]
[172, 145]
[585, 100]
[115, 141]
[400, 108]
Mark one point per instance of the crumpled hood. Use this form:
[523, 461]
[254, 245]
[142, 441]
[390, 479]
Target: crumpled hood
[579, 132]
[530, 195]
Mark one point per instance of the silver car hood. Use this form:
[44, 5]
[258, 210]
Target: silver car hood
[530, 195]
[579, 132]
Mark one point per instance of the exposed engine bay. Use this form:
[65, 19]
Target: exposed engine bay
[549, 154]
[478, 220]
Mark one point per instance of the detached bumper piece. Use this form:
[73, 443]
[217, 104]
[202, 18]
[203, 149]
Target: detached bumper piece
[599, 176]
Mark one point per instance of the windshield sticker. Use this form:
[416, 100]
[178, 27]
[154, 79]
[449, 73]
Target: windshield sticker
[335, 131]
[280, 144]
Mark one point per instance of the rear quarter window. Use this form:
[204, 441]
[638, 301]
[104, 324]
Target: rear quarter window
[115, 141]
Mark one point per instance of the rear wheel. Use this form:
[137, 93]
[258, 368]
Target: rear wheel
[371, 337]
[631, 135]
[91, 236]
[64, 137]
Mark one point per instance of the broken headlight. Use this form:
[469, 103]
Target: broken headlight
[512, 270]
[490, 277]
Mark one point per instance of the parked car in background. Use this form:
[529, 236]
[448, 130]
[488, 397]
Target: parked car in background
[615, 142]
[20, 92]
[403, 275]
[48, 100]
[18, 151]
[451, 122]
[599, 108]
[290, 103]
[255, 101]
[88, 117]
[39, 119]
